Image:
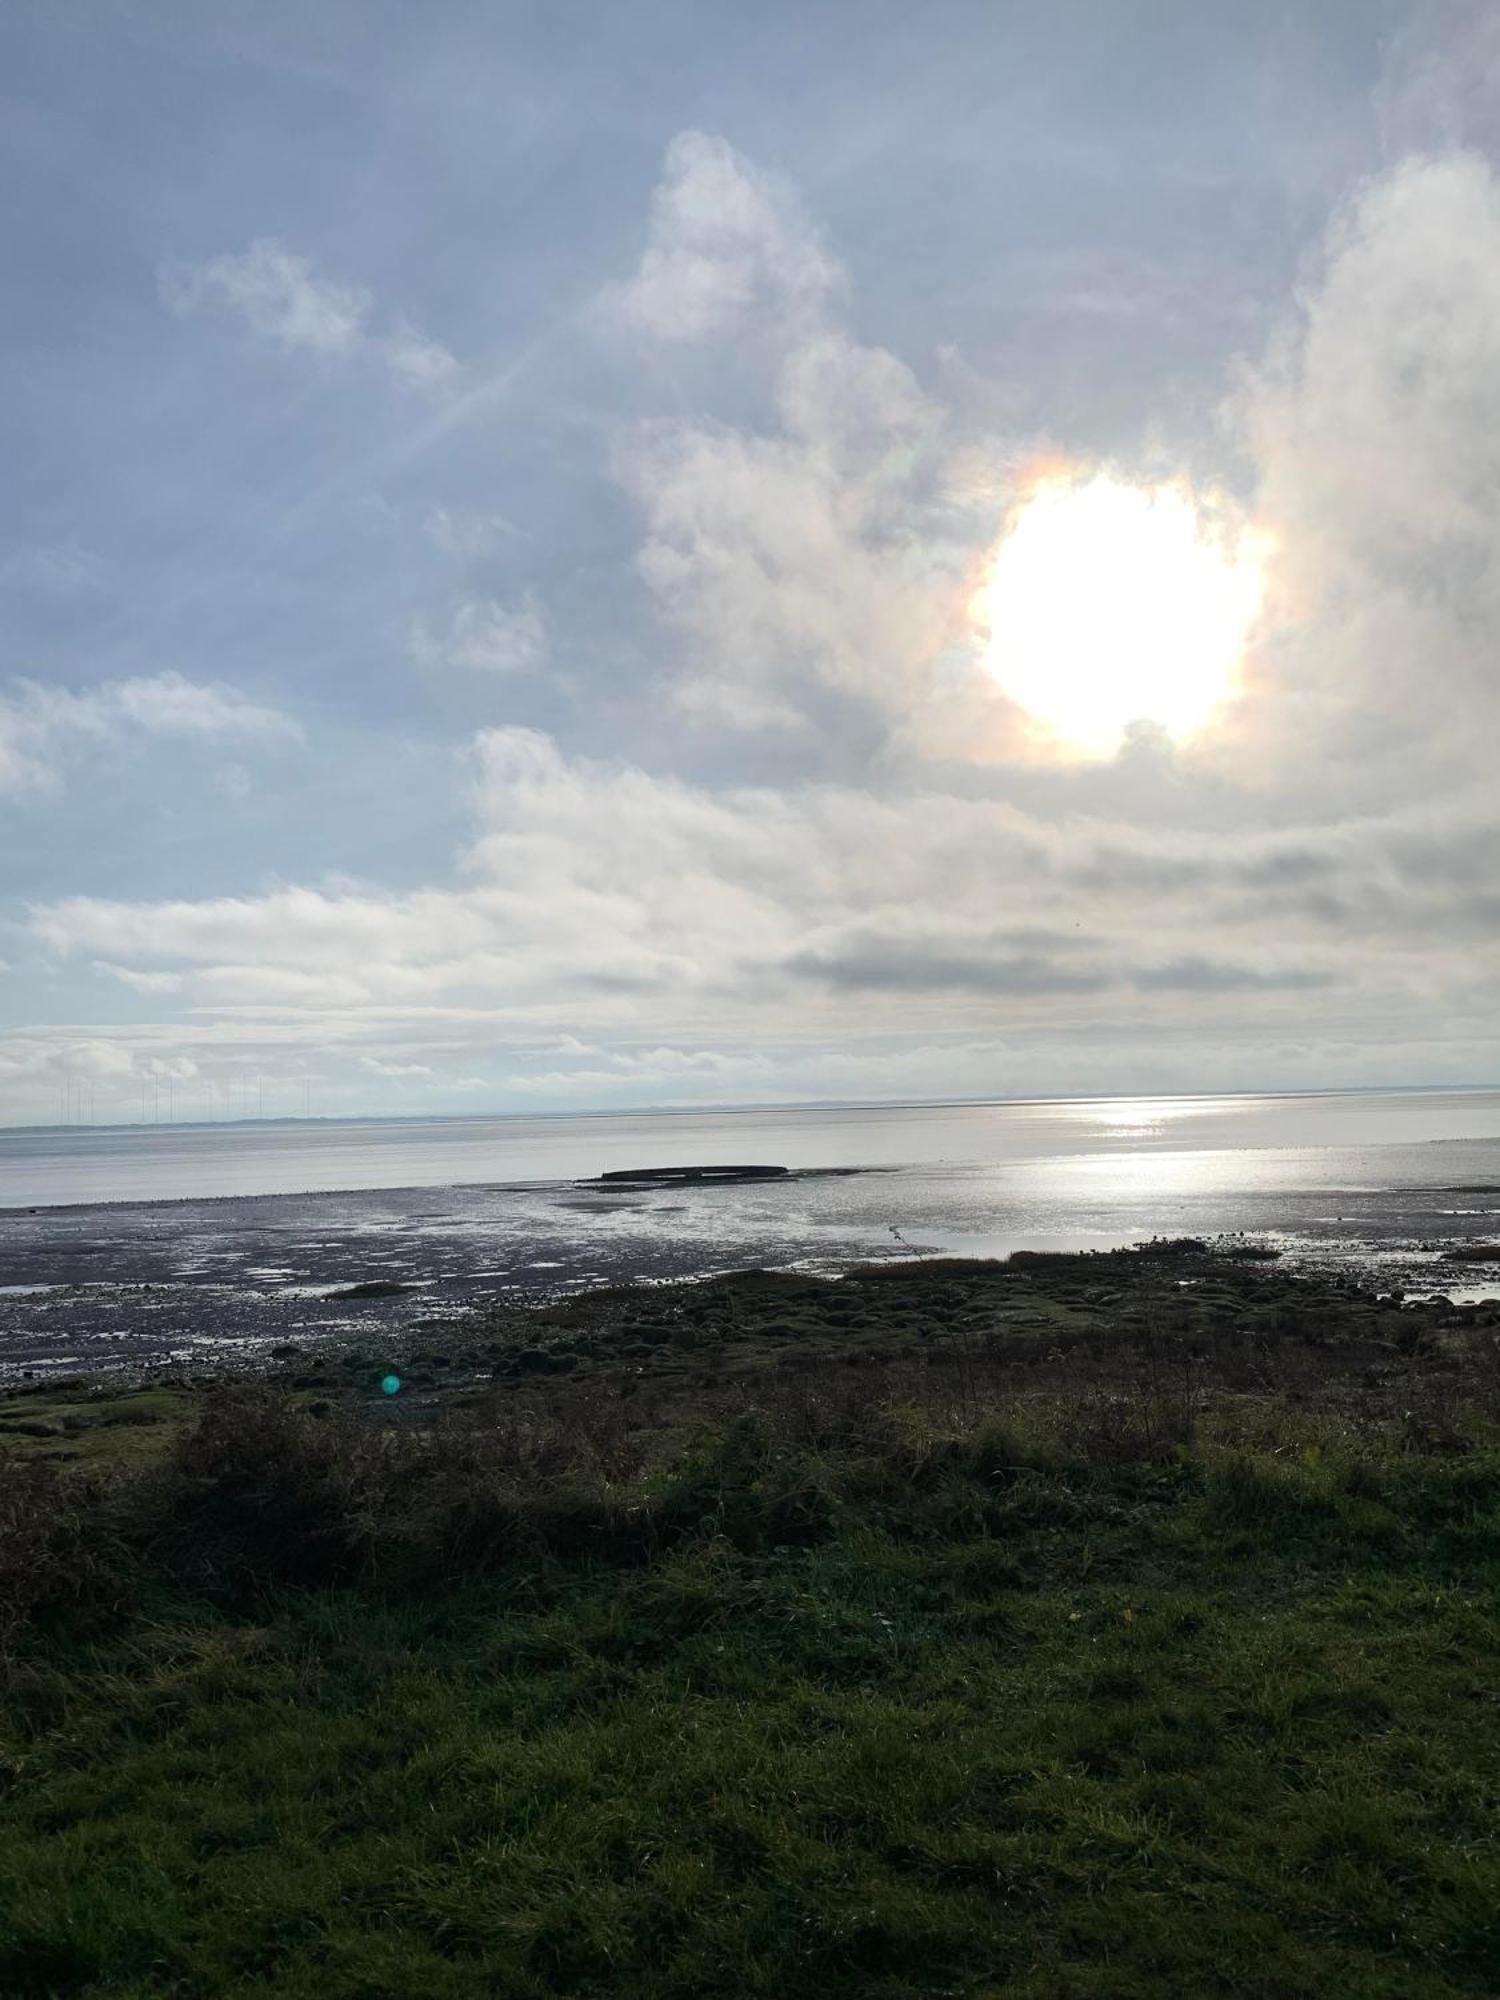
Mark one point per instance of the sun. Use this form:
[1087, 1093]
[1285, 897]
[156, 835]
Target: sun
[1107, 604]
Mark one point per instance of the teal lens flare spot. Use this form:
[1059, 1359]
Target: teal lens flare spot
[390, 1384]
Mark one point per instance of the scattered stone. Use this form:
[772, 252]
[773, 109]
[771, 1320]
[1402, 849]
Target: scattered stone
[372, 1288]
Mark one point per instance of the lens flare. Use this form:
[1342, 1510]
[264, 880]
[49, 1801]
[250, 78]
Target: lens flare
[1108, 604]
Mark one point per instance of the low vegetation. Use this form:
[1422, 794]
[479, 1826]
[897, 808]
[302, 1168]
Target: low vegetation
[1107, 1627]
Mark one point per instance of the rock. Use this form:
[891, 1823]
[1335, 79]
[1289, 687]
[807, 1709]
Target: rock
[686, 1176]
[372, 1288]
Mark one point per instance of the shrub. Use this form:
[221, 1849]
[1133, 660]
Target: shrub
[59, 1558]
[261, 1491]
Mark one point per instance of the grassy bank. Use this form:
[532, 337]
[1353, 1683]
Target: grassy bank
[1039, 1659]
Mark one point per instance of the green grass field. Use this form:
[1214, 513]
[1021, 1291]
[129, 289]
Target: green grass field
[849, 1693]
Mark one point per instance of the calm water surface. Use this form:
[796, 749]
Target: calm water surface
[1115, 1144]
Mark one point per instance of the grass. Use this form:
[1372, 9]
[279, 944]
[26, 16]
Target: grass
[89, 1425]
[883, 1684]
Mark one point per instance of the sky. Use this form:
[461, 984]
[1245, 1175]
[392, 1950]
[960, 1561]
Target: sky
[593, 556]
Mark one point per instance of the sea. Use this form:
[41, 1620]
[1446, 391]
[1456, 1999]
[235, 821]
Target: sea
[169, 1240]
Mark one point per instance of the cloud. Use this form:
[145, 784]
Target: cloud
[41, 726]
[866, 963]
[803, 561]
[283, 298]
[54, 569]
[903, 903]
[1375, 427]
[140, 982]
[424, 363]
[723, 237]
[483, 636]
[816, 564]
[78, 1052]
[168, 705]
[898, 968]
[396, 1071]
[810, 556]
[652, 1071]
[277, 293]
[466, 532]
[1206, 975]
[1439, 87]
[592, 885]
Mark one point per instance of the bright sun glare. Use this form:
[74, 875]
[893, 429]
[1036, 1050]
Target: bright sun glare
[1108, 604]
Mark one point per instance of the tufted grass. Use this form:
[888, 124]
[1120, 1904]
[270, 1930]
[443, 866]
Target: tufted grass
[832, 1698]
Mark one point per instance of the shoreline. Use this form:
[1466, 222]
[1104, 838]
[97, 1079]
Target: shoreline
[307, 1333]
[215, 1282]
[1234, 1314]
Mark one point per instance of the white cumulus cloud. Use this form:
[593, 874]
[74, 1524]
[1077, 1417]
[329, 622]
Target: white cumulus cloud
[723, 237]
[1375, 428]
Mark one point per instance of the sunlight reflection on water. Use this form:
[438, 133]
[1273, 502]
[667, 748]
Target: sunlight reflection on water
[145, 1163]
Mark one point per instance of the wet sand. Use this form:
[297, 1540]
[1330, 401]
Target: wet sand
[211, 1283]
[215, 1283]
